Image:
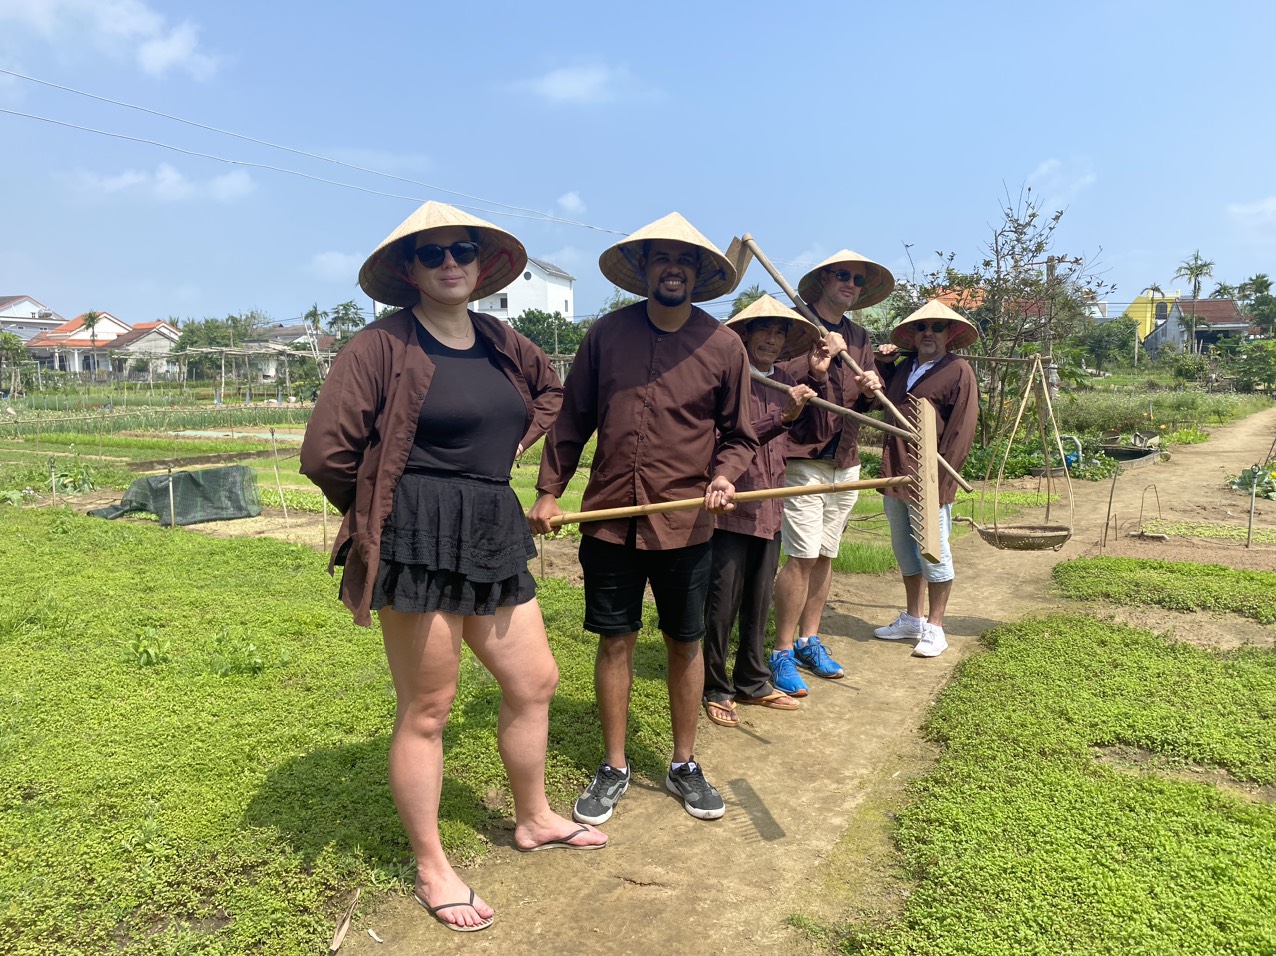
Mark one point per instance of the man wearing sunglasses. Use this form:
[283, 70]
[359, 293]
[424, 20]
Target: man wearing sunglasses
[948, 382]
[813, 524]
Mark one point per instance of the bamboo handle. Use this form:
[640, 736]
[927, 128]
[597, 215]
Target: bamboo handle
[691, 504]
[832, 407]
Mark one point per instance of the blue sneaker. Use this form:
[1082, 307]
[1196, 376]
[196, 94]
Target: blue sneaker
[812, 655]
[784, 674]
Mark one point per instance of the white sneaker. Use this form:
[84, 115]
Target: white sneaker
[933, 642]
[903, 628]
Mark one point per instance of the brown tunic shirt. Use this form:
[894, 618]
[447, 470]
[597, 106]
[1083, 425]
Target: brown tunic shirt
[671, 410]
[815, 425]
[361, 432]
[845, 393]
[950, 385]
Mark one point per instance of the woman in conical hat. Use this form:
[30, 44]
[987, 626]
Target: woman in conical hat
[412, 439]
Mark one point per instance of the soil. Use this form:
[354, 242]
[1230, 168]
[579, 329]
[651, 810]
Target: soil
[811, 794]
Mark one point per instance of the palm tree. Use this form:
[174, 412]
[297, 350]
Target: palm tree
[1195, 270]
[746, 298]
[1260, 284]
[1153, 292]
[1225, 291]
[89, 321]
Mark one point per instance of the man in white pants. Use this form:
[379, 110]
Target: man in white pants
[813, 524]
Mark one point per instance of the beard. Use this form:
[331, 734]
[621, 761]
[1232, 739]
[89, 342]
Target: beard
[670, 300]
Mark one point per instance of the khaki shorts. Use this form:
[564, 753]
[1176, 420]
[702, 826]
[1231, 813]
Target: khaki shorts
[813, 524]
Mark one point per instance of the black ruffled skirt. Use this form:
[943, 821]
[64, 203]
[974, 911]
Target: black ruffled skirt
[454, 544]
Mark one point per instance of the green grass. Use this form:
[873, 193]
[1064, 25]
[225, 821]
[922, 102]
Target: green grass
[1022, 841]
[230, 797]
[1173, 585]
[1222, 532]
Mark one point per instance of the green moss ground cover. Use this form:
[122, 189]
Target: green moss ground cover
[193, 742]
[1173, 585]
[1021, 841]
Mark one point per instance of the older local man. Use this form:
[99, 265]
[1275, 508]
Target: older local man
[666, 388]
[746, 544]
[918, 364]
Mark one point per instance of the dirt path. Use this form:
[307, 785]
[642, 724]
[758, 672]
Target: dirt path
[809, 787]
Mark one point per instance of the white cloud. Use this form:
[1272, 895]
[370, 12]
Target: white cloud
[571, 204]
[123, 28]
[587, 84]
[1057, 183]
[1259, 217]
[168, 184]
[335, 266]
[568, 257]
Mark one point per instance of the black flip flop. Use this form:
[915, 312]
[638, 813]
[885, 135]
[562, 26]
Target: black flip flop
[565, 843]
[454, 927]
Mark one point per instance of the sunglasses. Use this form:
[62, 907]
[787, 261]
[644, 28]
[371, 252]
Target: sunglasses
[463, 253]
[934, 326]
[842, 275]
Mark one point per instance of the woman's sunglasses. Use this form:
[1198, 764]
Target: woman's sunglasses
[463, 253]
[934, 326]
[842, 275]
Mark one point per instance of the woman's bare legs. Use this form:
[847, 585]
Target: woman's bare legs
[424, 652]
[513, 646]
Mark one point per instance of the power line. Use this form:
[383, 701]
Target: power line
[533, 213]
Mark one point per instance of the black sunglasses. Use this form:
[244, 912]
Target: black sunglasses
[841, 275]
[463, 253]
[934, 326]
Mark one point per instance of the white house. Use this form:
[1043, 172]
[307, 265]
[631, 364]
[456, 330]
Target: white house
[25, 317]
[70, 347]
[542, 286]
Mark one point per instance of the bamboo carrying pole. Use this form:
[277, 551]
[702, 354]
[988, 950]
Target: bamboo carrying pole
[691, 504]
[749, 243]
[830, 406]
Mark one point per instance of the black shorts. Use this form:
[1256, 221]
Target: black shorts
[616, 578]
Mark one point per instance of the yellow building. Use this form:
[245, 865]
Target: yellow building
[1149, 309]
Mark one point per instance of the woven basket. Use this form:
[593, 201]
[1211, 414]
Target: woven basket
[1025, 538]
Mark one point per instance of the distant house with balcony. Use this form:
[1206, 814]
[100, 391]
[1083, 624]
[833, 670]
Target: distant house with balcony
[542, 286]
[72, 348]
[26, 317]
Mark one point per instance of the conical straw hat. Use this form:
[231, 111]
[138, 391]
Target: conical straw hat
[878, 281]
[961, 331]
[622, 262]
[384, 275]
[802, 332]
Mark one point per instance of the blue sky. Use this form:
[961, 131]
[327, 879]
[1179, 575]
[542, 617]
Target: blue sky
[813, 126]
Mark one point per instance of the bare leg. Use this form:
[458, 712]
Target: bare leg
[817, 595]
[686, 685]
[915, 595]
[938, 594]
[424, 653]
[613, 679]
[791, 588]
[512, 645]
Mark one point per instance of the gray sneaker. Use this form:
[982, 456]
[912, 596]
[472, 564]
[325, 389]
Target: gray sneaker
[596, 804]
[700, 798]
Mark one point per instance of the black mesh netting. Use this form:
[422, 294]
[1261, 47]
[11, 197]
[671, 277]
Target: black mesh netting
[213, 494]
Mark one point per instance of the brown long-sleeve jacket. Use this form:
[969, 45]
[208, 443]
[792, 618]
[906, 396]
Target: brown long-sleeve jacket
[761, 519]
[671, 410]
[951, 387]
[845, 393]
[361, 432]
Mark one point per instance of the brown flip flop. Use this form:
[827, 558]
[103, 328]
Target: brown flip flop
[722, 712]
[777, 700]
